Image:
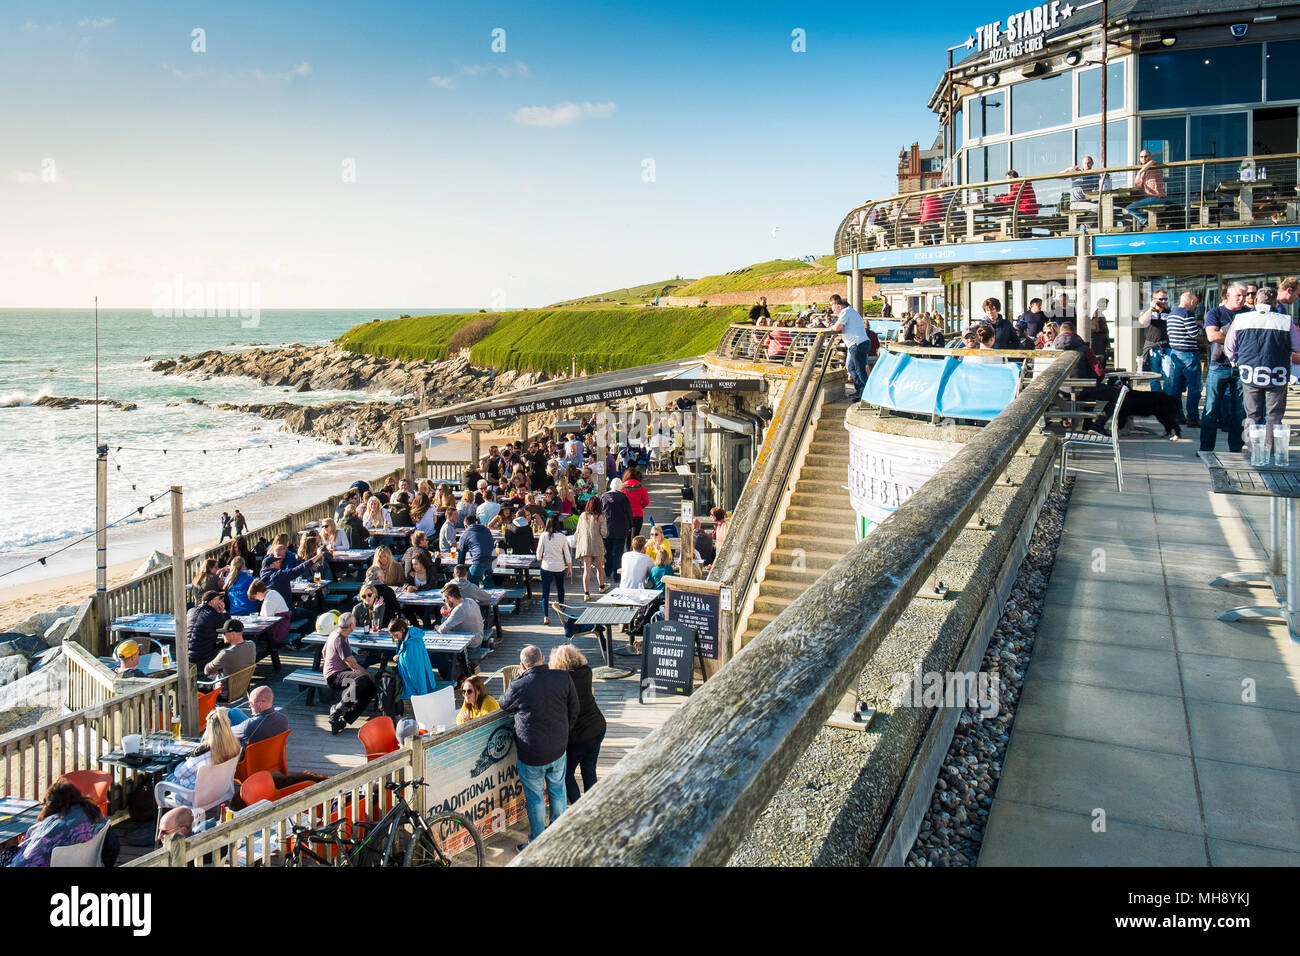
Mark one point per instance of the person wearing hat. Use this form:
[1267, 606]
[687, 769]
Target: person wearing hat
[202, 625]
[236, 655]
[128, 653]
[1021, 338]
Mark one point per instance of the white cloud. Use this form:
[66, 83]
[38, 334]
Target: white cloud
[518, 68]
[562, 114]
[94, 23]
[301, 71]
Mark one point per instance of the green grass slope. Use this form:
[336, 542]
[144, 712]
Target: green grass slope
[632, 295]
[777, 274]
[546, 340]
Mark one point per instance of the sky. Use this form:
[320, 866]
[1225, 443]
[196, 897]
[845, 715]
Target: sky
[443, 154]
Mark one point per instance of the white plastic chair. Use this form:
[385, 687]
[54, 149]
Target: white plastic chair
[1089, 443]
[85, 854]
[435, 710]
[215, 784]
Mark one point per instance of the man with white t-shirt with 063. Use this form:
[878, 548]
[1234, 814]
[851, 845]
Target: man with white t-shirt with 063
[853, 333]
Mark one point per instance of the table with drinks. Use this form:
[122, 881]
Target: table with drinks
[1265, 468]
[310, 593]
[433, 599]
[444, 649]
[153, 753]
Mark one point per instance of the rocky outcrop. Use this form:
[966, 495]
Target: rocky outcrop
[57, 401]
[312, 368]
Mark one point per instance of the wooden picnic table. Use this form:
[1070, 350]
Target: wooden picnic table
[16, 817]
[433, 599]
[449, 645]
[1233, 474]
[164, 625]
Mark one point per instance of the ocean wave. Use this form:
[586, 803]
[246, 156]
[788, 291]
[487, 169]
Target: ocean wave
[195, 500]
[19, 399]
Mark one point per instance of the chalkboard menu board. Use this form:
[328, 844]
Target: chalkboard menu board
[698, 610]
[667, 659]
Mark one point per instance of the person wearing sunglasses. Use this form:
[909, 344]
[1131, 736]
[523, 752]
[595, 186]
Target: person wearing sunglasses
[1156, 347]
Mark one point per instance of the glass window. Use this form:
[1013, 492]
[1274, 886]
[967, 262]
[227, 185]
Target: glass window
[1209, 77]
[1165, 137]
[1283, 65]
[988, 115]
[1043, 155]
[957, 129]
[1223, 134]
[1090, 89]
[1088, 143]
[1036, 104]
[986, 163]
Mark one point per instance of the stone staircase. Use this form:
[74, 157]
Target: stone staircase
[817, 529]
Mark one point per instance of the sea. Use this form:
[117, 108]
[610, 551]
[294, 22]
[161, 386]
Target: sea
[47, 455]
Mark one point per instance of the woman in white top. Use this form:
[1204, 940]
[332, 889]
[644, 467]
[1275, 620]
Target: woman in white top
[376, 517]
[334, 537]
[218, 745]
[557, 561]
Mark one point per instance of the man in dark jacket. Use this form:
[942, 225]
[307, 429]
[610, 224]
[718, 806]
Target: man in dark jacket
[205, 620]
[279, 574]
[618, 521]
[545, 705]
[1088, 365]
[476, 551]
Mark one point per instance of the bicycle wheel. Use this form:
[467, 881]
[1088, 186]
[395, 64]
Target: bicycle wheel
[452, 840]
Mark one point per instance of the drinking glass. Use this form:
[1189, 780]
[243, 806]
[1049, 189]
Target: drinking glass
[1259, 452]
[176, 727]
[1282, 445]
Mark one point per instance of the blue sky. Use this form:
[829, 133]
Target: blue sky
[482, 178]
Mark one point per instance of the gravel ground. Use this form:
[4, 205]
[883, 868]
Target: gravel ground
[953, 829]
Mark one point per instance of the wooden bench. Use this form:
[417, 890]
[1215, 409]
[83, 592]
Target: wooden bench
[312, 680]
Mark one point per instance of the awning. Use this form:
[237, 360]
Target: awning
[686, 375]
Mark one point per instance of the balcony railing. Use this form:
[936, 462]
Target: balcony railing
[772, 345]
[1201, 194]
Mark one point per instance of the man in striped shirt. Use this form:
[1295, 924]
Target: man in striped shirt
[1182, 366]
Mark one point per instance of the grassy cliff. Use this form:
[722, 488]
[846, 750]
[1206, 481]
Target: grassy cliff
[777, 274]
[546, 340]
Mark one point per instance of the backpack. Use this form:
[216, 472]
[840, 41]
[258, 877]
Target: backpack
[388, 694]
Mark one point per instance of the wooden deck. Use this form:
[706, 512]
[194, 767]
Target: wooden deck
[312, 747]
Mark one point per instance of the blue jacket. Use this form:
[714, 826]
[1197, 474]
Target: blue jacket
[237, 598]
[282, 580]
[413, 667]
[476, 545]
[1261, 348]
[545, 705]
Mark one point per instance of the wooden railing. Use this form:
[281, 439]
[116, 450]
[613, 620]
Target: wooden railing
[90, 683]
[31, 760]
[359, 794]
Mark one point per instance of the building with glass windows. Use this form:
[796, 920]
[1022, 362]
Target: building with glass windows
[1211, 93]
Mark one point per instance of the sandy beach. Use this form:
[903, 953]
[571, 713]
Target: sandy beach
[69, 578]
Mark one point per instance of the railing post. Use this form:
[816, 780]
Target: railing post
[185, 689]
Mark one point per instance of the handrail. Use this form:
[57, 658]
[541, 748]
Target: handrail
[32, 759]
[748, 342]
[1215, 200]
[689, 794]
[737, 563]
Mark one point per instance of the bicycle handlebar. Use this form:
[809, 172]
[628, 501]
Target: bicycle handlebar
[396, 786]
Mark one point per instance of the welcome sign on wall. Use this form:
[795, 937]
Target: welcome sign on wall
[885, 470]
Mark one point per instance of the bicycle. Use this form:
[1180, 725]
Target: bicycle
[437, 839]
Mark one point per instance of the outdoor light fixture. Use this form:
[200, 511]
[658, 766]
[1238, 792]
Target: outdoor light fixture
[1168, 39]
[1074, 58]
[990, 79]
[1034, 69]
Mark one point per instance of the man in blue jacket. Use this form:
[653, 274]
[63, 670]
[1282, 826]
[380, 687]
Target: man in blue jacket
[476, 551]
[1223, 400]
[545, 705]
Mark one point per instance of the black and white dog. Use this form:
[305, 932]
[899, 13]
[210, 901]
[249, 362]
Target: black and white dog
[1156, 405]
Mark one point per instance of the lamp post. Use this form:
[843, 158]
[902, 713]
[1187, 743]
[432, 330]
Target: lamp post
[1105, 51]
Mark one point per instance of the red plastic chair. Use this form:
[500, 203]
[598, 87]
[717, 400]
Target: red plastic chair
[378, 736]
[268, 754]
[261, 786]
[94, 785]
[206, 703]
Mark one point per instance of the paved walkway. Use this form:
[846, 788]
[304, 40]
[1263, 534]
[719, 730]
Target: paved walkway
[1141, 711]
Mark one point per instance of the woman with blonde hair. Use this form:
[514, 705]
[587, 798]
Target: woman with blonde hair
[466, 506]
[589, 730]
[218, 745]
[333, 536]
[236, 586]
[390, 569]
[658, 543]
[376, 516]
[663, 567]
[477, 700]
